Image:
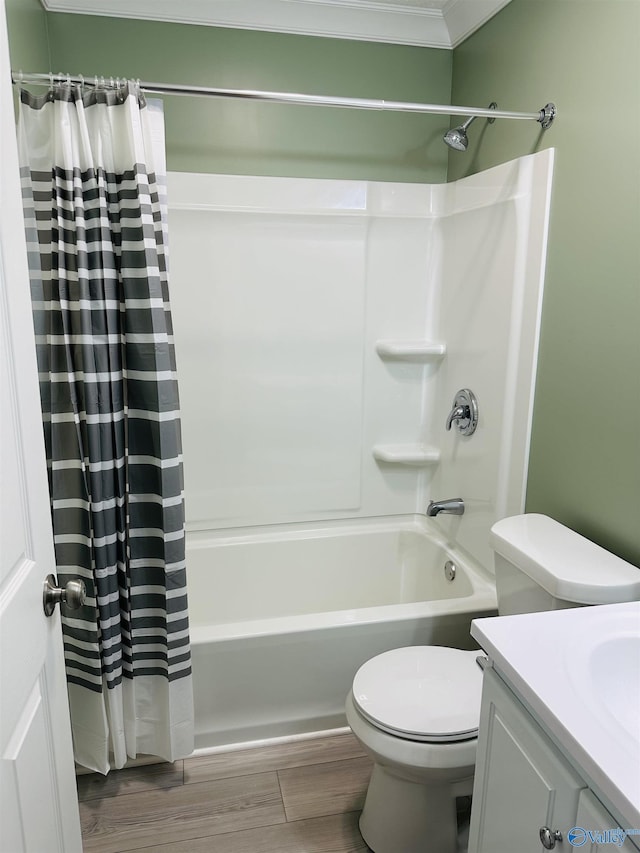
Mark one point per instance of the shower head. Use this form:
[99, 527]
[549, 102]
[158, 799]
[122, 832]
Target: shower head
[457, 139]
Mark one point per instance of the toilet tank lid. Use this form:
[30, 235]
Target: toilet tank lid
[563, 562]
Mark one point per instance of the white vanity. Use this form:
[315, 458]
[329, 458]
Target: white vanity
[558, 762]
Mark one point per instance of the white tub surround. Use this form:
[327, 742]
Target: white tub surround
[323, 329]
[282, 617]
[578, 672]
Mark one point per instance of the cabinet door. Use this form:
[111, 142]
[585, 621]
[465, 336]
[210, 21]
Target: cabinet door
[596, 830]
[521, 783]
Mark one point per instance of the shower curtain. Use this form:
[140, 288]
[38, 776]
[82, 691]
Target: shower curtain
[93, 176]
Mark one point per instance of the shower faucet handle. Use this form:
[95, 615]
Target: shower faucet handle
[457, 414]
[464, 412]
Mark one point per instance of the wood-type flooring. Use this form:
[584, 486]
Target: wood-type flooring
[300, 797]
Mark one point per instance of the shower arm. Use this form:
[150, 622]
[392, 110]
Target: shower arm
[544, 116]
[469, 121]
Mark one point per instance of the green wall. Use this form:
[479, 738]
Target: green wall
[28, 39]
[207, 135]
[584, 56]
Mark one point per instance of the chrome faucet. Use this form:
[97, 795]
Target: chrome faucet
[452, 506]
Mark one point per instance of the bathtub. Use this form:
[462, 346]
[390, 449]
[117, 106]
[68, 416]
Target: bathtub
[282, 617]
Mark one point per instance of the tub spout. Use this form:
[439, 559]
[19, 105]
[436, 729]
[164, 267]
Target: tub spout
[452, 506]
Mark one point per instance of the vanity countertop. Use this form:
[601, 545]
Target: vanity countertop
[578, 670]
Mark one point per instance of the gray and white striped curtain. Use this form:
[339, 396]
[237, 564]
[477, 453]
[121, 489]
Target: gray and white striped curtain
[93, 172]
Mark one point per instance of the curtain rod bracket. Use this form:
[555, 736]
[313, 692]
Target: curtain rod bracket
[547, 115]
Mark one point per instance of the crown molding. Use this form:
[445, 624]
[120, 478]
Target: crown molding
[439, 23]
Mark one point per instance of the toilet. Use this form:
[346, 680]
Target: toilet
[416, 710]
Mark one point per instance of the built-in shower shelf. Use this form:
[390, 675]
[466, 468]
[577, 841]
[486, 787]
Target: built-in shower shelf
[406, 454]
[419, 350]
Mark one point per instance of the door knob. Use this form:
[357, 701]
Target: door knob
[73, 595]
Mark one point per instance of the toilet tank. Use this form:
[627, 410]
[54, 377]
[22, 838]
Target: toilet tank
[543, 565]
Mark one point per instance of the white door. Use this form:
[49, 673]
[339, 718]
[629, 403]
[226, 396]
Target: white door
[38, 801]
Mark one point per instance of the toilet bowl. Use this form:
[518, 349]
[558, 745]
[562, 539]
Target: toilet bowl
[416, 711]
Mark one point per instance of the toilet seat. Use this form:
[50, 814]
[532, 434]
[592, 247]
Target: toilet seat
[421, 693]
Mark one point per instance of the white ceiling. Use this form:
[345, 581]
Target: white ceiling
[427, 23]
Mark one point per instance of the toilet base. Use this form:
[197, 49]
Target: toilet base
[401, 816]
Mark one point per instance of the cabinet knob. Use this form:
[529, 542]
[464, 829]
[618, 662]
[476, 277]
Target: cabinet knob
[548, 837]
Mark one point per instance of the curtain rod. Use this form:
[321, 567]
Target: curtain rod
[545, 115]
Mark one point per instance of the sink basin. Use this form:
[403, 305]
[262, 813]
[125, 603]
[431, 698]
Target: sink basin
[614, 668]
[605, 673]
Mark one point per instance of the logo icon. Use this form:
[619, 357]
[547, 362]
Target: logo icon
[577, 836]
